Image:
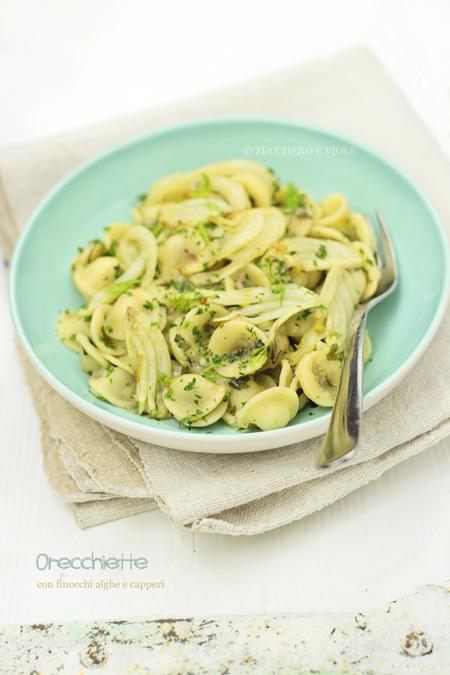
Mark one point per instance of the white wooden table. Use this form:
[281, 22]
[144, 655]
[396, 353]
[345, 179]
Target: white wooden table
[409, 636]
[378, 543]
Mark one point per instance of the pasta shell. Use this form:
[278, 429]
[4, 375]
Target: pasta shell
[309, 341]
[286, 375]
[258, 188]
[324, 232]
[299, 226]
[90, 349]
[371, 269]
[248, 276]
[189, 339]
[88, 364]
[312, 254]
[232, 191]
[242, 390]
[139, 244]
[191, 397]
[270, 409]
[101, 332]
[96, 275]
[212, 417]
[334, 211]
[114, 233]
[177, 253]
[319, 376]
[115, 386]
[239, 347]
[297, 325]
[71, 323]
[362, 230]
[140, 300]
[89, 253]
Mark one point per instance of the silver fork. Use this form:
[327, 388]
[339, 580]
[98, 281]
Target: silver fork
[345, 424]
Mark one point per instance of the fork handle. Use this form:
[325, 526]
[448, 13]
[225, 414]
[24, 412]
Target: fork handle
[345, 424]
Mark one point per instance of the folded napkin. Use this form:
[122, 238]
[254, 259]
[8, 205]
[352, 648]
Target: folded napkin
[105, 475]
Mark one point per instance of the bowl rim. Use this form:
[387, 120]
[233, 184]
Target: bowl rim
[251, 441]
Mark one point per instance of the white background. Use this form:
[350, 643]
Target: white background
[65, 64]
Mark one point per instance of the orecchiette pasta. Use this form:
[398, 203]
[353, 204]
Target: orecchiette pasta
[227, 297]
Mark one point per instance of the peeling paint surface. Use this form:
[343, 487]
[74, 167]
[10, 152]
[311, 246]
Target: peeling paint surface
[410, 635]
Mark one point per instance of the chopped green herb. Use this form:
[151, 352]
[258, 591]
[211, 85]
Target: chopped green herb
[168, 393]
[276, 269]
[191, 385]
[112, 249]
[201, 229]
[181, 342]
[186, 301]
[293, 198]
[104, 337]
[279, 289]
[181, 285]
[196, 332]
[190, 419]
[210, 373]
[122, 286]
[321, 252]
[204, 187]
[156, 229]
[334, 354]
[164, 379]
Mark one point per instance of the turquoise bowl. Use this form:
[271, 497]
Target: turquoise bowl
[104, 190]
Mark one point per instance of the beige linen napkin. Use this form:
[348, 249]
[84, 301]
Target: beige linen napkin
[105, 475]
